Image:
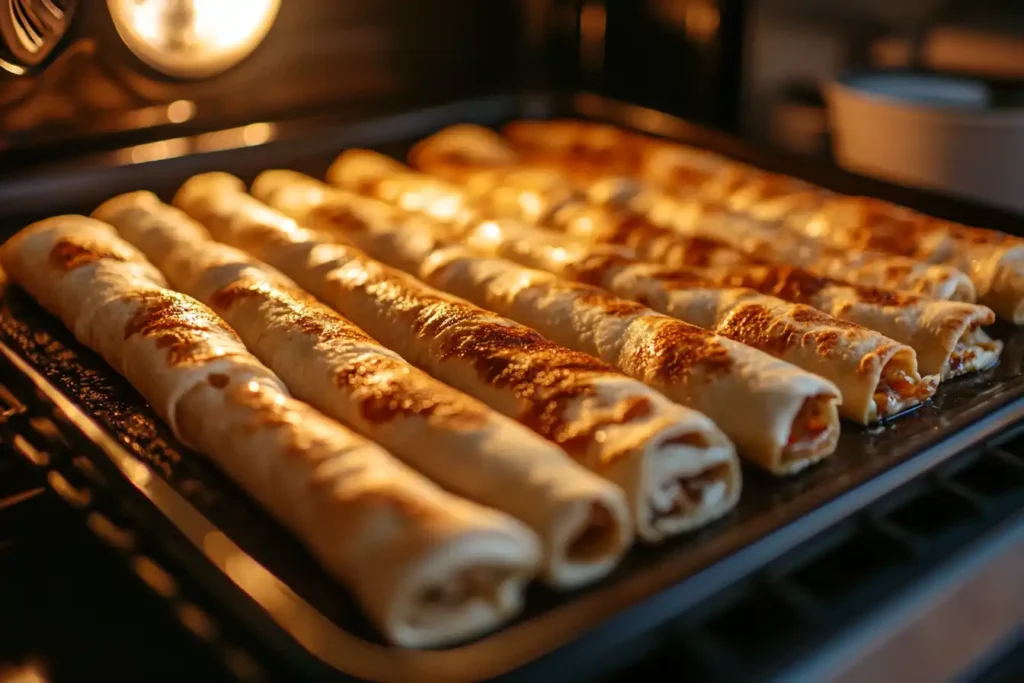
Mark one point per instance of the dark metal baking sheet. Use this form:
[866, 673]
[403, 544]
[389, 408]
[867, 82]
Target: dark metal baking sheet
[303, 604]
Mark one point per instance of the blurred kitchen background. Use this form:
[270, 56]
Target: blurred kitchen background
[763, 68]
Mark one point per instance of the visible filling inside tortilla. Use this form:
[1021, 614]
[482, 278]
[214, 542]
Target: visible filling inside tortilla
[974, 351]
[683, 495]
[474, 583]
[963, 291]
[597, 539]
[812, 432]
[897, 391]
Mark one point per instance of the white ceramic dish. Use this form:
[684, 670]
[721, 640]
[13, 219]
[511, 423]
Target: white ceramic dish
[932, 131]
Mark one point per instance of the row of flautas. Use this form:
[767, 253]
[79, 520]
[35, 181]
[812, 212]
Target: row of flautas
[435, 380]
[773, 216]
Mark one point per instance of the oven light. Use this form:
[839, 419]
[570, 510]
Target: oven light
[192, 38]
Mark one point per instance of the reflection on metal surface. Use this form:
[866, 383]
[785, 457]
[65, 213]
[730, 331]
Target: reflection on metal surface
[12, 68]
[232, 138]
[109, 532]
[593, 25]
[75, 89]
[197, 621]
[154, 151]
[257, 133]
[180, 111]
[243, 136]
[193, 38]
[75, 497]
[30, 30]
[155, 576]
[30, 452]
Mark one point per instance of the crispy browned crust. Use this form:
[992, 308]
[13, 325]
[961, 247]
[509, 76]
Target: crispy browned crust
[72, 252]
[178, 324]
[800, 286]
[548, 379]
[584, 149]
[756, 326]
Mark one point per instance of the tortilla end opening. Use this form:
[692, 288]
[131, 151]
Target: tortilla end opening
[691, 439]
[453, 609]
[597, 539]
[702, 497]
[973, 344]
[963, 291]
[476, 583]
[901, 387]
[812, 436]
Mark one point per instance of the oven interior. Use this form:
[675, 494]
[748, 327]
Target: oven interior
[794, 566]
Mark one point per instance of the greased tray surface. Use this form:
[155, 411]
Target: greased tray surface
[772, 514]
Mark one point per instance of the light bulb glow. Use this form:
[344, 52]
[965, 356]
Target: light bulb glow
[192, 38]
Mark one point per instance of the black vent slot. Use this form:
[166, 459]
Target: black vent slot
[756, 629]
[992, 477]
[933, 512]
[759, 610]
[865, 554]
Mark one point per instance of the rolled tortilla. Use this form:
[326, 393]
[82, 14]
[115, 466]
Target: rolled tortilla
[753, 219]
[483, 167]
[330, 362]
[689, 171]
[994, 262]
[767, 241]
[428, 568]
[584, 150]
[597, 415]
[711, 190]
[783, 419]
[95, 269]
[676, 467]
[717, 191]
[789, 420]
[946, 335]
[459, 148]
[878, 376]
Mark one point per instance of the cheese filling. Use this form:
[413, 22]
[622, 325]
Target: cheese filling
[681, 496]
[812, 429]
[974, 351]
[476, 583]
[897, 392]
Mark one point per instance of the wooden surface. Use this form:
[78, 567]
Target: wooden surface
[947, 634]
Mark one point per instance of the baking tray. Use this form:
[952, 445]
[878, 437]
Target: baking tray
[257, 572]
